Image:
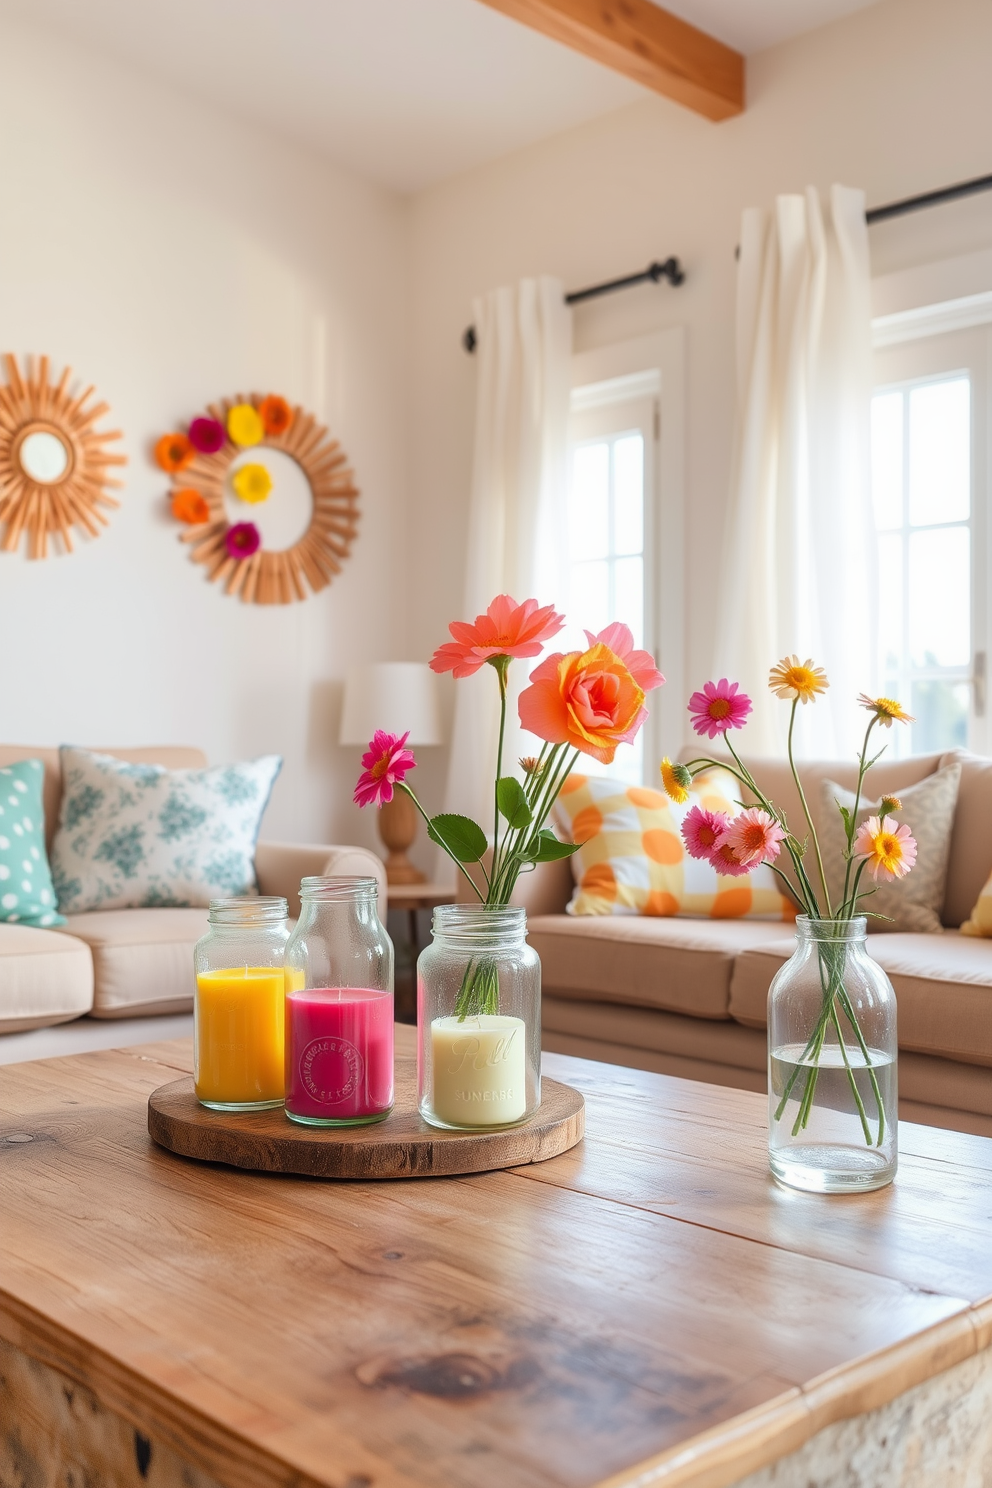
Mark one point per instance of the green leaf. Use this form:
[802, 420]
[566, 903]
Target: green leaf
[550, 850]
[512, 802]
[463, 838]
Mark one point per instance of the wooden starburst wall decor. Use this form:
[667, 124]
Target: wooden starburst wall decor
[53, 462]
[200, 460]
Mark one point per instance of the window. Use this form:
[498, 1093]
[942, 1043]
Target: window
[609, 521]
[928, 489]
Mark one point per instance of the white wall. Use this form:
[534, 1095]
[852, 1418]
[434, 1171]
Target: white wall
[894, 99]
[172, 256]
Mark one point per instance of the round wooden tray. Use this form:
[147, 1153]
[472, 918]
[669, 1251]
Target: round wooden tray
[402, 1146]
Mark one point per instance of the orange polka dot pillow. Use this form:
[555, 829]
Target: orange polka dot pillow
[632, 860]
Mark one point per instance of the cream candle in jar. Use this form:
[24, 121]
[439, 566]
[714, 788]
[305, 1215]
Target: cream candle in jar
[480, 1070]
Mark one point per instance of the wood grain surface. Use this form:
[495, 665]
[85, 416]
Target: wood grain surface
[402, 1146]
[648, 1308]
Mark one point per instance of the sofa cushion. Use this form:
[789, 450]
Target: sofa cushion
[943, 986]
[142, 958]
[650, 1028]
[681, 965]
[46, 977]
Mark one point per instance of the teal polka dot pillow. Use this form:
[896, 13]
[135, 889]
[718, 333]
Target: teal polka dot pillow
[26, 893]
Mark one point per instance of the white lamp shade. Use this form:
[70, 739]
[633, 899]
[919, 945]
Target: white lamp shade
[392, 695]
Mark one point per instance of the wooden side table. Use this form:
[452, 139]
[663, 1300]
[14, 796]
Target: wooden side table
[414, 897]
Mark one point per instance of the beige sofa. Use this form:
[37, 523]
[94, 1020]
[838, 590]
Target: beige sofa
[124, 963]
[687, 997]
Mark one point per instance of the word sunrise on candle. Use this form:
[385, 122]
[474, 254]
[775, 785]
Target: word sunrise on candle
[480, 1073]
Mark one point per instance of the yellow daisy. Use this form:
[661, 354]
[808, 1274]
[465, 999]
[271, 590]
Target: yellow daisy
[676, 779]
[252, 483]
[885, 710]
[793, 678]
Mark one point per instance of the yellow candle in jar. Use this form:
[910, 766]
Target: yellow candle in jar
[240, 1033]
[480, 1070]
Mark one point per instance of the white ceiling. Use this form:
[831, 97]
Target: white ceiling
[405, 92]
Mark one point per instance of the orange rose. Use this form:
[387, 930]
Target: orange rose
[588, 699]
[174, 452]
[189, 506]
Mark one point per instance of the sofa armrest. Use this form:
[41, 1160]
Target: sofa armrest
[279, 866]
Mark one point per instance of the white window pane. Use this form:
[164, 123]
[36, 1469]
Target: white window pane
[628, 604]
[940, 597]
[589, 502]
[628, 494]
[886, 458]
[941, 713]
[890, 616]
[940, 452]
[589, 596]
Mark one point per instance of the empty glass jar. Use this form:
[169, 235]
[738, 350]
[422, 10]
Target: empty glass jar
[339, 1006]
[478, 1019]
[238, 1012]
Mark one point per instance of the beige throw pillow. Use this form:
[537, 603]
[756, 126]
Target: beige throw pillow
[914, 902]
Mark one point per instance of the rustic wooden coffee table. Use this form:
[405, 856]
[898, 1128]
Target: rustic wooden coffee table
[648, 1309]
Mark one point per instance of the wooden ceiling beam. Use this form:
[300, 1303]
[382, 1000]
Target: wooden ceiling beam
[645, 43]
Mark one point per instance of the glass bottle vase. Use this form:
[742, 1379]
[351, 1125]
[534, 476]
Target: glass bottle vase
[339, 1006]
[478, 1019]
[832, 1061]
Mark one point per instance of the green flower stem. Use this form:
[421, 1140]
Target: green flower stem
[501, 666]
[467, 876]
[845, 1003]
[806, 812]
[852, 825]
[850, 1073]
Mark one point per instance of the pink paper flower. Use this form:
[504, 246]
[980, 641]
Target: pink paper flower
[384, 764]
[726, 862]
[206, 435]
[506, 629]
[754, 837]
[640, 664]
[702, 831]
[719, 707]
[890, 849]
[242, 540]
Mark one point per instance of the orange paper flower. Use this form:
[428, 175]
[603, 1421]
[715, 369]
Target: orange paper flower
[174, 452]
[275, 413]
[189, 506]
[587, 699]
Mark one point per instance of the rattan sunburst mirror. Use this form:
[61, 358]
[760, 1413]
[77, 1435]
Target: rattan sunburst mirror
[200, 463]
[53, 463]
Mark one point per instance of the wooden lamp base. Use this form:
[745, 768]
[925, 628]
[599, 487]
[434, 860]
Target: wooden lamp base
[398, 828]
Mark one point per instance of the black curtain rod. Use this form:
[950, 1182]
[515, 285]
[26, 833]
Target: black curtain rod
[671, 270]
[929, 199]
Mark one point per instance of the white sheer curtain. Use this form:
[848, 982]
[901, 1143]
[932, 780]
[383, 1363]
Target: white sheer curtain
[799, 562]
[517, 508]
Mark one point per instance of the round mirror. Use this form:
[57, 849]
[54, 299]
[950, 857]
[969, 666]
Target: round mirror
[43, 457]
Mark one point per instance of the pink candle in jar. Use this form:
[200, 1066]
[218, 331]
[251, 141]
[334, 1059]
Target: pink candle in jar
[339, 1055]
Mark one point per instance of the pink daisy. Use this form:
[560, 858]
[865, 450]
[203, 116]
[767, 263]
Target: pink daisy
[385, 764]
[719, 707]
[702, 830]
[726, 862]
[754, 837]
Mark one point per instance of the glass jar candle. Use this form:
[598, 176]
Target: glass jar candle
[339, 1006]
[478, 1019]
[238, 1005]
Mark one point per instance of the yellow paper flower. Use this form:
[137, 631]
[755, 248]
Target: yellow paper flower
[676, 780]
[252, 483]
[793, 678]
[244, 425]
[886, 710]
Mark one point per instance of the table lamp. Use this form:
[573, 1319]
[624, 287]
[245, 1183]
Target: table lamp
[395, 696]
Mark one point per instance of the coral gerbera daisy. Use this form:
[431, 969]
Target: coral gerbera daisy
[888, 848]
[702, 830]
[719, 707]
[676, 780]
[384, 764]
[886, 710]
[793, 678]
[506, 629]
[726, 862]
[754, 837]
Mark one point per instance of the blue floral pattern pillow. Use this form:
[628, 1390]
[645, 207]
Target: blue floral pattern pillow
[133, 836]
[26, 893]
